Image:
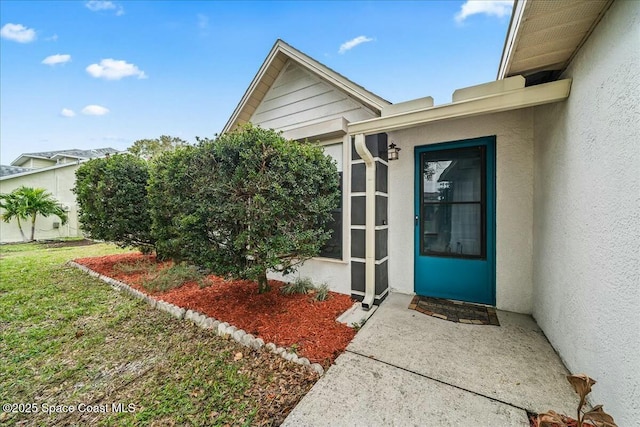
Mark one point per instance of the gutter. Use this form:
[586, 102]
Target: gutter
[370, 221]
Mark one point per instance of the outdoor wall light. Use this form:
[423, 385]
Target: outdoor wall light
[393, 152]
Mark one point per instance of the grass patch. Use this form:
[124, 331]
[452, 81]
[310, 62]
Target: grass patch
[67, 338]
[174, 277]
[139, 266]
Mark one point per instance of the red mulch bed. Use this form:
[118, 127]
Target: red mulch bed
[286, 320]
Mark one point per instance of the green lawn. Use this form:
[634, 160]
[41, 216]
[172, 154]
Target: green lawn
[69, 339]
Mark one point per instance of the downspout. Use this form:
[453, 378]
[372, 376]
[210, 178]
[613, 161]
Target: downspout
[370, 221]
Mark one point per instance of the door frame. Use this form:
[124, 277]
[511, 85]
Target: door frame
[491, 198]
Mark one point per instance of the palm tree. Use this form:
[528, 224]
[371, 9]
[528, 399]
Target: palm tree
[13, 208]
[26, 202]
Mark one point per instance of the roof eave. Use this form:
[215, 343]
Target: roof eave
[511, 39]
[45, 169]
[510, 100]
[27, 156]
[371, 100]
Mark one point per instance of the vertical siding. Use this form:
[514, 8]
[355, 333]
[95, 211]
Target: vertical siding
[299, 98]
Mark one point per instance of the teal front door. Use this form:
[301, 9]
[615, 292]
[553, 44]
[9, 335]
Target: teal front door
[455, 220]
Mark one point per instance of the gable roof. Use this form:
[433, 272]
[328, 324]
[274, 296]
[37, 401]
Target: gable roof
[6, 170]
[544, 36]
[34, 171]
[269, 71]
[72, 152]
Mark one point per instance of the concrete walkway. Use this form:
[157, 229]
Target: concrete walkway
[405, 368]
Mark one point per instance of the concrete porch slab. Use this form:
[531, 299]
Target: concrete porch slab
[356, 316]
[359, 391]
[512, 363]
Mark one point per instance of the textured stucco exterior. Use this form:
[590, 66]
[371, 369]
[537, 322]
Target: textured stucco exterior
[587, 215]
[58, 181]
[514, 200]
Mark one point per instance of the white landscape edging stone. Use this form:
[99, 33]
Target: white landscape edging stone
[222, 329]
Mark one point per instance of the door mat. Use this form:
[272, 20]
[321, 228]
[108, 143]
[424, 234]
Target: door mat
[455, 311]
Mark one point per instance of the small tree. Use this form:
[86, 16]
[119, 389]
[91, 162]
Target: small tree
[112, 196]
[151, 148]
[27, 203]
[245, 203]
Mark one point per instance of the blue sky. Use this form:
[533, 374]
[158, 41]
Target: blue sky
[89, 74]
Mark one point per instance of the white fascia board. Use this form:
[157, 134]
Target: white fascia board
[511, 100]
[247, 94]
[331, 128]
[512, 38]
[373, 101]
[370, 99]
[27, 156]
[38, 170]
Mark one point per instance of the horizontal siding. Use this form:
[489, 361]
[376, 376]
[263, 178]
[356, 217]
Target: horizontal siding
[339, 108]
[303, 101]
[299, 98]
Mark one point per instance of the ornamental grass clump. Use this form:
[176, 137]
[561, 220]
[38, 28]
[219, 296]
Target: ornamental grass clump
[174, 277]
[299, 286]
[322, 292]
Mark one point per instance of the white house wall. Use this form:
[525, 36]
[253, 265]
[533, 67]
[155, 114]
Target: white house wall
[587, 215]
[299, 98]
[36, 163]
[514, 200]
[59, 182]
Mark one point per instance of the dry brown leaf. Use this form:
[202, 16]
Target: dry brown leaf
[550, 419]
[581, 384]
[238, 356]
[599, 418]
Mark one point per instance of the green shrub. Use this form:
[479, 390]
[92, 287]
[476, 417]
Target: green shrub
[176, 205]
[112, 198]
[244, 203]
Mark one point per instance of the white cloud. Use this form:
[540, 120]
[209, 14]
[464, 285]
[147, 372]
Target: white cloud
[203, 21]
[67, 113]
[95, 110]
[498, 8]
[18, 33]
[114, 69]
[100, 5]
[348, 45]
[53, 38]
[56, 59]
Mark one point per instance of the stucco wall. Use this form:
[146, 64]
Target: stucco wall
[514, 200]
[58, 181]
[587, 215]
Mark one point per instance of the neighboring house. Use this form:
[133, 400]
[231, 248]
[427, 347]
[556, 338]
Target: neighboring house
[516, 194]
[55, 172]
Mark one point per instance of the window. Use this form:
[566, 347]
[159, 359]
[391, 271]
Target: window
[333, 247]
[452, 222]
